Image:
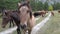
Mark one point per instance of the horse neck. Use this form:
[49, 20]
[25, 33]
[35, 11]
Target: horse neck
[16, 20]
[15, 17]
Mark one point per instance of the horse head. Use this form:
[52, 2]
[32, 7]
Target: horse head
[24, 14]
[6, 18]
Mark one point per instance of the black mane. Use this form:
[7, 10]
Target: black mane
[15, 17]
[24, 4]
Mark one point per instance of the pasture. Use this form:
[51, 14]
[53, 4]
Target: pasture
[52, 26]
[37, 21]
[20, 12]
[7, 27]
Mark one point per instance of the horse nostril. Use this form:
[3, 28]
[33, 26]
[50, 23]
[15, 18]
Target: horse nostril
[3, 26]
[23, 26]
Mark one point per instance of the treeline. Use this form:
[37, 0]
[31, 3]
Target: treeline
[45, 5]
[36, 5]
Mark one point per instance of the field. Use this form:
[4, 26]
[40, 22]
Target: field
[7, 26]
[52, 26]
[37, 21]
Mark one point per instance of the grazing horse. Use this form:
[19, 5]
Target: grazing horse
[42, 13]
[52, 13]
[58, 11]
[4, 17]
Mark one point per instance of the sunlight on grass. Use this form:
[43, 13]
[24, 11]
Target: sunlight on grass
[7, 26]
[52, 26]
[39, 20]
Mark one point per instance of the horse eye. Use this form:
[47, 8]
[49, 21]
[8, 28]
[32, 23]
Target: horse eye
[28, 11]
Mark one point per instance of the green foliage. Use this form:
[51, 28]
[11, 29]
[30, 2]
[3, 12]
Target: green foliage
[45, 5]
[50, 8]
[9, 4]
[56, 6]
[35, 4]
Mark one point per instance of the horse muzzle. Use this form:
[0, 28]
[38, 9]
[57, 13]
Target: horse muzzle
[3, 26]
[23, 26]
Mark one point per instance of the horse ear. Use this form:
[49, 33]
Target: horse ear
[19, 4]
[5, 13]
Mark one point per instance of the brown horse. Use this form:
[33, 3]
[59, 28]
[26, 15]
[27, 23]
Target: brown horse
[23, 18]
[11, 15]
[42, 13]
[58, 11]
[26, 17]
[4, 17]
[52, 13]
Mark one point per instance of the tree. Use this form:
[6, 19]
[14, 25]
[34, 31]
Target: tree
[50, 8]
[9, 4]
[45, 5]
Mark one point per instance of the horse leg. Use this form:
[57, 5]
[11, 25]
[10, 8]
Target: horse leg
[42, 15]
[13, 24]
[18, 30]
[29, 31]
[10, 25]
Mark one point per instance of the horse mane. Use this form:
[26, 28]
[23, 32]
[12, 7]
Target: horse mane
[25, 3]
[14, 16]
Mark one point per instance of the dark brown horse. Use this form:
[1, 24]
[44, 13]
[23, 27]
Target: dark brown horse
[4, 17]
[11, 15]
[23, 18]
[59, 11]
[40, 13]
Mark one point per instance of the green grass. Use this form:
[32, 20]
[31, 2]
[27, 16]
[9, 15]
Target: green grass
[39, 20]
[7, 26]
[52, 26]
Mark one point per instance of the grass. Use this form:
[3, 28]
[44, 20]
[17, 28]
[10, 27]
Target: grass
[7, 26]
[39, 20]
[52, 26]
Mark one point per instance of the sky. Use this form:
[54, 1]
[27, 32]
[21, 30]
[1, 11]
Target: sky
[50, 1]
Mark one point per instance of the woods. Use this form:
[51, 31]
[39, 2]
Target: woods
[35, 4]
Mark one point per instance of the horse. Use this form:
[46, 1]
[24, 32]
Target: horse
[11, 15]
[42, 13]
[27, 20]
[52, 13]
[58, 11]
[4, 17]
[23, 18]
